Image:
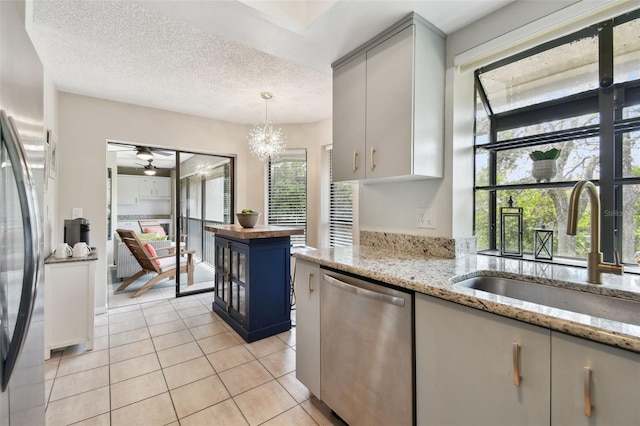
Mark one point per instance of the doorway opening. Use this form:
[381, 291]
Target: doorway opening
[167, 197]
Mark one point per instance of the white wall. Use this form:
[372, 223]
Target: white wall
[50, 122]
[50, 115]
[85, 124]
[392, 206]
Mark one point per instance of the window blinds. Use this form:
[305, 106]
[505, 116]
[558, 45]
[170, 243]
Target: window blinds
[340, 210]
[287, 203]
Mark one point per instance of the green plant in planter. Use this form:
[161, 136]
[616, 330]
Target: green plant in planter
[552, 154]
[544, 164]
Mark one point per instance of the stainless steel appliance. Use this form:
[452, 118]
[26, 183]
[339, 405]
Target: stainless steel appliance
[366, 361]
[76, 231]
[22, 162]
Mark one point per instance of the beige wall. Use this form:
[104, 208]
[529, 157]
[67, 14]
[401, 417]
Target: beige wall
[85, 125]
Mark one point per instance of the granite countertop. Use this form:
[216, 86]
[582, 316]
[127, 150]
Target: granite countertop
[53, 260]
[436, 277]
[259, 231]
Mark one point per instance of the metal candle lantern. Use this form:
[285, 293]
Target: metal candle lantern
[543, 243]
[511, 230]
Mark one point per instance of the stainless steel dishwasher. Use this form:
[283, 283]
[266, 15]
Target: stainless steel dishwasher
[366, 346]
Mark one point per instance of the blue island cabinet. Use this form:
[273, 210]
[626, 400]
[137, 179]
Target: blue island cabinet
[253, 284]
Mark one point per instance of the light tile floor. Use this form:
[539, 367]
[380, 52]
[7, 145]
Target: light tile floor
[158, 360]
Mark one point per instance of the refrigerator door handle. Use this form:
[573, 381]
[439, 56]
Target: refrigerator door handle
[31, 233]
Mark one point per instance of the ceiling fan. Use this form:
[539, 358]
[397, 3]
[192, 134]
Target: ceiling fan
[149, 169]
[145, 153]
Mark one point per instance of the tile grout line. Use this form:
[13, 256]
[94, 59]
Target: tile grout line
[200, 303]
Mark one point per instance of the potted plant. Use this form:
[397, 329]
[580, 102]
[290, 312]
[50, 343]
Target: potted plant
[544, 164]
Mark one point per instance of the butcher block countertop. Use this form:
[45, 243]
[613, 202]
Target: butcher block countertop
[259, 231]
[437, 277]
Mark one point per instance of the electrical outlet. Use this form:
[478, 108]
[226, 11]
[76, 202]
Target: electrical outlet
[76, 212]
[425, 217]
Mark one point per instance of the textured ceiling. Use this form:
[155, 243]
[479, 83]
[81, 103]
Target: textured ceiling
[213, 58]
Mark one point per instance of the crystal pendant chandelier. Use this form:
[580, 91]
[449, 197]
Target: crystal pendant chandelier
[266, 142]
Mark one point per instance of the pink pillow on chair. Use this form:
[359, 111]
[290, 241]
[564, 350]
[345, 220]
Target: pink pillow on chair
[155, 230]
[152, 252]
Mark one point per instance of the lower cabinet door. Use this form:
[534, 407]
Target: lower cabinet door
[307, 290]
[477, 368]
[593, 384]
[69, 304]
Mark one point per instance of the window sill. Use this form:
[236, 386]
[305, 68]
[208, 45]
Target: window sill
[631, 268]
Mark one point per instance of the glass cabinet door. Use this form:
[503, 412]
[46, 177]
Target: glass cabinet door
[242, 279]
[231, 279]
[223, 272]
[237, 289]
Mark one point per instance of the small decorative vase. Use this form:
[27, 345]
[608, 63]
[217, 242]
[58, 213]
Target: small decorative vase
[544, 170]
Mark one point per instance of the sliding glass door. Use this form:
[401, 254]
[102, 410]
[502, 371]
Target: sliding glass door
[166, 197]
[205, 184]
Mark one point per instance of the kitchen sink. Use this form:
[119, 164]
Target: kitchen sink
[612, 308]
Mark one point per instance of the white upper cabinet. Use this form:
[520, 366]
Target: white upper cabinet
[388, 105]
[163, 187]
[133, 188]
[155, 187]
[127, 189]
[349, 119]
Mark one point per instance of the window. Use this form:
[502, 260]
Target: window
[340, 210]
[581, 95]
[287, 203]
[217, 194]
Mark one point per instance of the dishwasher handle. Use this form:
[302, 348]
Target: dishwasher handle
[381, 297]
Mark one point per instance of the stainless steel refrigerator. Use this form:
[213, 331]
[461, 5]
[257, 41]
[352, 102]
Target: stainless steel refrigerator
[22, 160]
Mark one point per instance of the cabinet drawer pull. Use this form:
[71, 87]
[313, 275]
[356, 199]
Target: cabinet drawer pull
[355, 165]
[373, 159]
[516, 364]
[229, 284]
[310, 278]
[587, 392]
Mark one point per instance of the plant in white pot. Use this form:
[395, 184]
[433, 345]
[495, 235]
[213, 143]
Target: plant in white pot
[544, 164]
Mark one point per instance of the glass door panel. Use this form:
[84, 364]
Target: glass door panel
[182, 191]
[237, 307]
[205, 199]
[242, 279]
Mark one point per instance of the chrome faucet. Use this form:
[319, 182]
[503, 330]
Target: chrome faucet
[595, 265]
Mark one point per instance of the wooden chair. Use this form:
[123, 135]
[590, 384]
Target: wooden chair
[164, 268]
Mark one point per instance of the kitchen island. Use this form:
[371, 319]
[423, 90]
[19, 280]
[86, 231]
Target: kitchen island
[252, 276]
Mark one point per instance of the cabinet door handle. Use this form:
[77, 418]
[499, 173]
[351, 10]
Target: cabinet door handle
[516, 364]
[587, 391]
[373, 159]
[355, 165]
[310, 278]
[227, 278]
[229, 295]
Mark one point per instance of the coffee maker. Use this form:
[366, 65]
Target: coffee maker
[76, 231]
